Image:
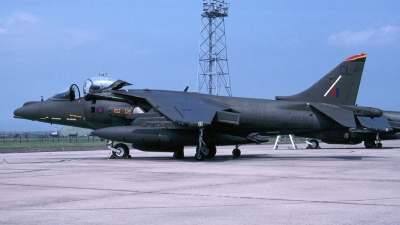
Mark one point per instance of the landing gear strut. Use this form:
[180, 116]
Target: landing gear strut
[203, 151]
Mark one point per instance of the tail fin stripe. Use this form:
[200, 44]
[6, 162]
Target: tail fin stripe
[332, 86]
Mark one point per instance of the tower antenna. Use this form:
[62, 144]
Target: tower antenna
[213, 71]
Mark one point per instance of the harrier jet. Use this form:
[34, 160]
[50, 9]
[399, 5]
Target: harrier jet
[166, 121]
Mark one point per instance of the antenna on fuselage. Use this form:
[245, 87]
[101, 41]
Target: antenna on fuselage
[102, 74]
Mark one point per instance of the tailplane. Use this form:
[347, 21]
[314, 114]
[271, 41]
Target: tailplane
[339, 86]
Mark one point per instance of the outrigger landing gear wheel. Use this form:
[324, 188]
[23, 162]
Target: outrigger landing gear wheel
[236, 152]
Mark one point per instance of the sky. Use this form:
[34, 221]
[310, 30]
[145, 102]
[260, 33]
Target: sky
[274, 47]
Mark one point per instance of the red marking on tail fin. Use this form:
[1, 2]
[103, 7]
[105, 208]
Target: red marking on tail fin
[358, 56]
[335, 92]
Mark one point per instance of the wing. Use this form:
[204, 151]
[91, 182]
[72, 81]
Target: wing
[184, 108]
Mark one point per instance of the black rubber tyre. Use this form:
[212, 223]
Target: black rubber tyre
[315, 144]
[236, 152]
[369, 144]
[124, 151]
[212, 150]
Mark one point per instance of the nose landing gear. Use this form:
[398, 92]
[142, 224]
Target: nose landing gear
[312, 144]
[120, 150]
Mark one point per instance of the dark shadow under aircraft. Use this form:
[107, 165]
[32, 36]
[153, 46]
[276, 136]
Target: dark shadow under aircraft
[166, 121]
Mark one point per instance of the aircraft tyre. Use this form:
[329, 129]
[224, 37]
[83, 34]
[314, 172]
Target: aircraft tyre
[379, 145]
[212, 150]
[124, 151]
[236, 152]
[179, 153]
[314, 144]
[369, 144]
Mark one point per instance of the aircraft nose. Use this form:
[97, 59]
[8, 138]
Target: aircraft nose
[29, 111]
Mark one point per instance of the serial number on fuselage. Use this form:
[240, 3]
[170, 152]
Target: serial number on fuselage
[299, 119]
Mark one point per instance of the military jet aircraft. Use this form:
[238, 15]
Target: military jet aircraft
[394, 121]
[166, 121]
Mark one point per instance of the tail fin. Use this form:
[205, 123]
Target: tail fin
[340, 86]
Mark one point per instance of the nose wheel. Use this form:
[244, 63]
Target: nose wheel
[312, 144]
[120, 150]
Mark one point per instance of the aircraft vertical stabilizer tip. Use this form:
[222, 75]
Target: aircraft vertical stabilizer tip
[359, 57]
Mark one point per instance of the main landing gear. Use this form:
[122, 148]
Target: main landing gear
[373, 143]
[204, 151]
[120, 150]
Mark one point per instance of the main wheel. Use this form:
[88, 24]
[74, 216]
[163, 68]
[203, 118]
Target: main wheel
[369, 144]
[314, 144]
[123, 151]
[379, 145]
[212, 150]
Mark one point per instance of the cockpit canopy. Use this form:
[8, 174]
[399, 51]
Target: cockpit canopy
[94, 84]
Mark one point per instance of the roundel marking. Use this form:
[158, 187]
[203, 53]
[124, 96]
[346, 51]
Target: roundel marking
[100, 110]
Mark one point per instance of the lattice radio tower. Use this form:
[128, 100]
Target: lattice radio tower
[213, 69]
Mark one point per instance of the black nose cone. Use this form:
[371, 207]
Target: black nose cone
[29, 111]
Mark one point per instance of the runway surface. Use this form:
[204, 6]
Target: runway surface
[339, 184]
